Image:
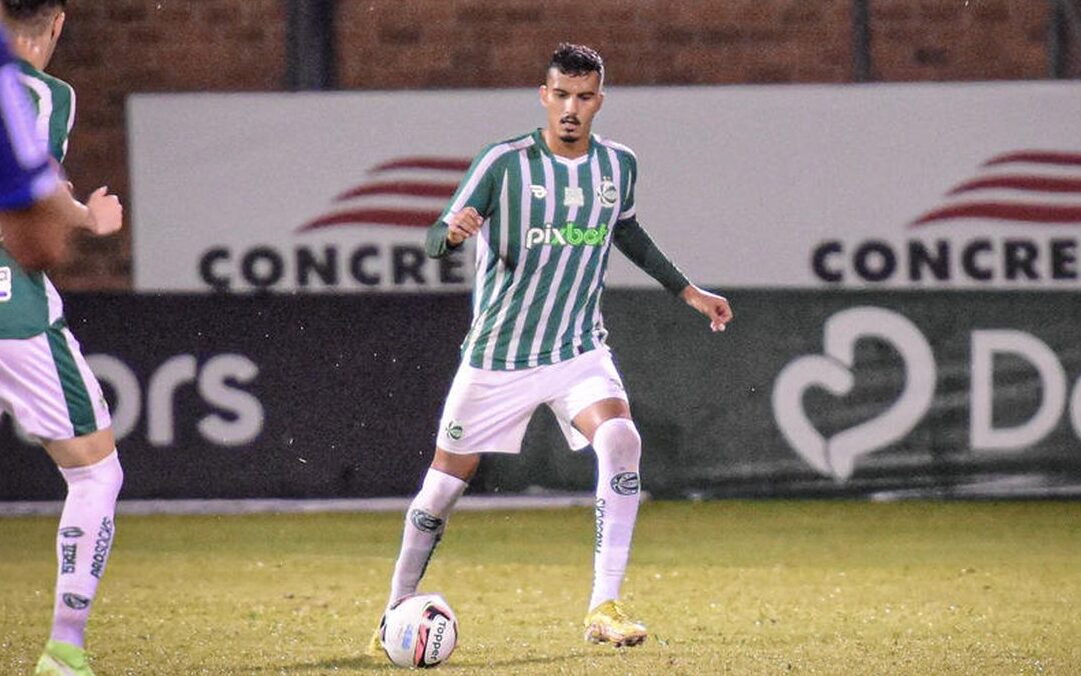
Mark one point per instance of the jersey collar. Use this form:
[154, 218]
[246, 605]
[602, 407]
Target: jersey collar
[538, 135]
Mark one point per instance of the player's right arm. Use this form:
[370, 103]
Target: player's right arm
[471, 204]
[463, 225]
[36, 236]
[449, 233]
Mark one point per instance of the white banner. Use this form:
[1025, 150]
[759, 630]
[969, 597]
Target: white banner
[881, 186]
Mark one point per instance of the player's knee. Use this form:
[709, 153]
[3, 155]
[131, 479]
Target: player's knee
[461, 466]
[103, 478]
[618, 439]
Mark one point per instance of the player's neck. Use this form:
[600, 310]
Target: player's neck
[572, 150]
[31, 51]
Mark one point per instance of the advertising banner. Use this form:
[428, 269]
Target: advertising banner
[899, 186]
[824, 393]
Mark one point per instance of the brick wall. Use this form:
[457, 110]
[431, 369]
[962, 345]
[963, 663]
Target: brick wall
[959, 40]
[111, 48]
[115, 47]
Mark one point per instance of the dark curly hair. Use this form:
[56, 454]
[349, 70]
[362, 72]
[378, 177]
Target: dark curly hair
[571, 59]
[31, 17]
[26, 9]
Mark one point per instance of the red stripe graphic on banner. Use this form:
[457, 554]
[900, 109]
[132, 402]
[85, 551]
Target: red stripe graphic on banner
[1026, 213]
[1036, 156]
[1017, 182]
[431, 163]
[408, 188]
[403, 217]
[368, 211]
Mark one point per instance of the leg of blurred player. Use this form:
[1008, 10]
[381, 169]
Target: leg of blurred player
[48, 387]
[91, 468]
[44, 381]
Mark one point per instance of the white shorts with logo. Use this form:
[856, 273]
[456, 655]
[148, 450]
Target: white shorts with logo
[488, 411]
[46, 384]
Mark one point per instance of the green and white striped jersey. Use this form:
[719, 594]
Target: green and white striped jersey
[29, 302]
[54, 102]
[543, 250]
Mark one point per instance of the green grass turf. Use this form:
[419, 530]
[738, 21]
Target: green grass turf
[725, 587]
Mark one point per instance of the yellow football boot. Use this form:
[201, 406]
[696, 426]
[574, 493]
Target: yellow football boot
[608, 623]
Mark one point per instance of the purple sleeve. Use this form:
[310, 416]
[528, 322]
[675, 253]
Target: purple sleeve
[26, 174]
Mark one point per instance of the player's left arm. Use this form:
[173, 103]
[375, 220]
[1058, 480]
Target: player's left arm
[636, 244]
[102, 213]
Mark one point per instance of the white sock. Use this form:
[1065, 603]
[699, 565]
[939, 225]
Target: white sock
[618, 449]
[83, 542]
[424, 525]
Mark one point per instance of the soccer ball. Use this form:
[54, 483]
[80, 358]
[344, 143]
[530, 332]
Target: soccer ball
[419, 631]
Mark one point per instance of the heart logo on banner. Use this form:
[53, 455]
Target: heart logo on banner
[832, 371]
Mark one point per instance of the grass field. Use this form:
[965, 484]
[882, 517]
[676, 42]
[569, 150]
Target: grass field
[725, 587]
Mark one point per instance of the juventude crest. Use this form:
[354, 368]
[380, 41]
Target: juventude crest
[607, 192]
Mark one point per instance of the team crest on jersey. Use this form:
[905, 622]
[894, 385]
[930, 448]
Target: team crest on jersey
[5, 284]
[607, 192]
[539, 191]
[573, 196]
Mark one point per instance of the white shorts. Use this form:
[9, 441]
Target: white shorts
[47, 386]
[488, 411]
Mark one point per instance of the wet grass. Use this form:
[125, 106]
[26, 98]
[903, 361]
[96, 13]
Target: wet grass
[725, 587]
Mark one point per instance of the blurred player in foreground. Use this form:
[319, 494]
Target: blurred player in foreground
[545, 207]
[45, 382]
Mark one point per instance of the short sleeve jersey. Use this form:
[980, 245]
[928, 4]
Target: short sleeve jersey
[28, 301]
[25, 173]
[542, 252]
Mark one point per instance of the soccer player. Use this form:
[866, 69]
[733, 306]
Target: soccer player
[546, 207]
[45, 382]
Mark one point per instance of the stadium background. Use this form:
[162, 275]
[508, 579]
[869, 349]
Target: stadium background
[701, 441]
[113, 49]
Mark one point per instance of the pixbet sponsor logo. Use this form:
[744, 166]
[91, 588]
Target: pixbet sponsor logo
[569, 235]
[832, 371]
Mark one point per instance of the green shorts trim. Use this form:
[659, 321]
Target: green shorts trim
[80, 408]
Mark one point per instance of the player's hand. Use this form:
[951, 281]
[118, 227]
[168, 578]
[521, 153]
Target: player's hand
[463, 225]
[106, 213]
[714, 307]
